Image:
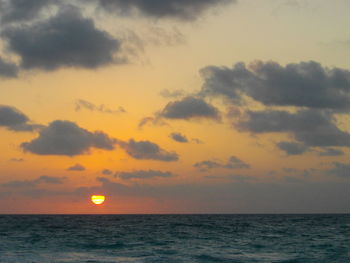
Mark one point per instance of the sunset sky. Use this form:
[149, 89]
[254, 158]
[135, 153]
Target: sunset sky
[175, 106]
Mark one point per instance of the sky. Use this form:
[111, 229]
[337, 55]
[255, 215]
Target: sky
[174, 106]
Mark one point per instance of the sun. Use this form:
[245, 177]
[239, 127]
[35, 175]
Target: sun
[98, 199]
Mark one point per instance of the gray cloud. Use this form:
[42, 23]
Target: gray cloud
[252, 196]
[22, 10]
[331, 152]
[207, 164]
[313, 128]
[235, 163]
[14, 120]
[179, 9]
[303, 172]
[84, 104]
[307, 84]
[11, 117]
[178, 137]
[67, 138]
[107, 172]
[232, 163]
[146, 150]
[44, 179]
[292, 148]
[65, 40]
[340, 169]
[77, 167]
[188, 108]
[143, 174]
[8, 69]
[151, 120]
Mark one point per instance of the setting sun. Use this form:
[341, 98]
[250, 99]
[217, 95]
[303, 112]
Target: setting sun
[98, 199]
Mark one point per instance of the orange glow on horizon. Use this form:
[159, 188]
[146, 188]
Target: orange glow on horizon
[98, 199]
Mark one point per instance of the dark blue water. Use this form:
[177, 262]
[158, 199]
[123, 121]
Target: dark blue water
[175, 238]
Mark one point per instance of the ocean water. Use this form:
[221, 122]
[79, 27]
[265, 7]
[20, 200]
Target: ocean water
[174, 238]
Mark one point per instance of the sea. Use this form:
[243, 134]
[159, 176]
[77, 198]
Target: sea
[174, 238]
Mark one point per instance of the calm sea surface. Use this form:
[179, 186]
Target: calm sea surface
[175, 238]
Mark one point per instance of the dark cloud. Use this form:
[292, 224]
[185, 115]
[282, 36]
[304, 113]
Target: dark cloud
[151, 120]
[206, 165]
[107, 172]
[236, 177]
[331, 152]
[143, 174]
[146, 150]
[76, 167]
[44, 179]
[188, 108]
[252, 195]
[67, 138]
[22, 10]
[178, 137]
[306, 84]
[340, 169]
[235, 163]
[313, 128]
[11, 117]
[232, 163]
[65, 40]
[179, 9]
[292, 148]
[14, 120]
[8, 69]
[83, 104]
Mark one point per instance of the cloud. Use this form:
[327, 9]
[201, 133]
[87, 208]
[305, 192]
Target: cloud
[188, 108]
[22, 11]
[251, 196]
[331, 152]
[146, 150]
[303, 172]
[306, 84]
[107, 172]
[67, 138]
[313, 128]
[340, 169]
[151, 120]
[232, 163]
[207, 164]
[14, 120]
[83, 104]
[235, 163]
[171, 93]
[179, 9]
[77, 167]
[8, 69]
[44, 179]
[143, 174]
[16, 160]
[292, 148]
[65, 40]
[196, 140]
[11, 117]
[178, 137]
